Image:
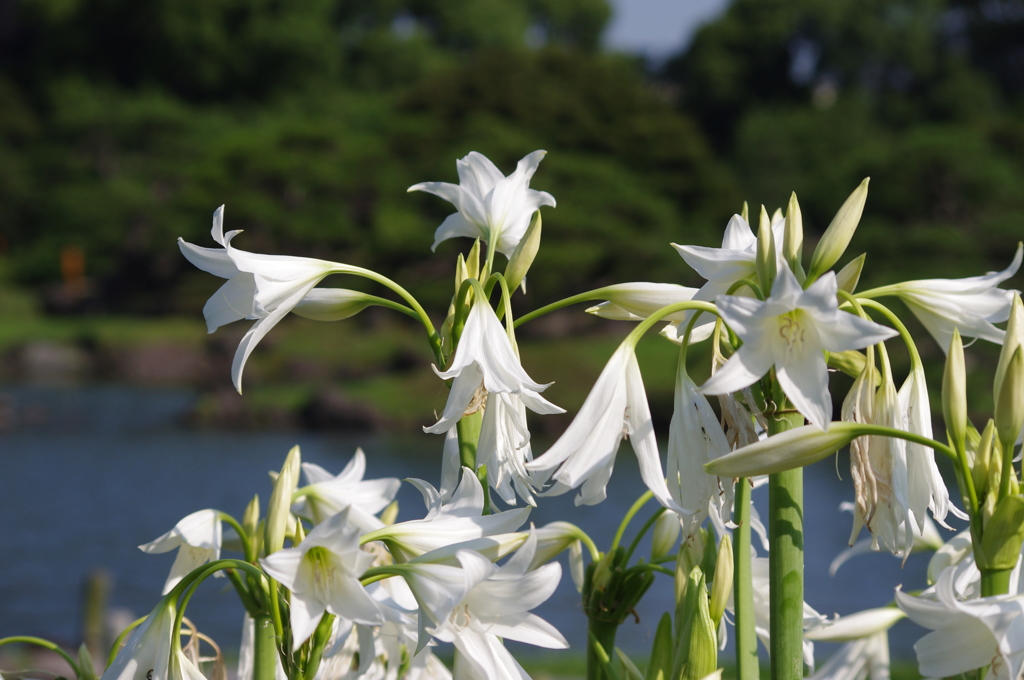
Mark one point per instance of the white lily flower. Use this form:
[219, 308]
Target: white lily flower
[477, 606]
[791, 330]
[695, 437]
[147, 653]
[967, 635]
[261, 287]
[445, 524]
[491, 207]
[616, 408]
[323, 573]
[197, 538]
[638, 300]
[327, 494]
[485, 358]
[971, 304]
[957, 555]
[722, 267]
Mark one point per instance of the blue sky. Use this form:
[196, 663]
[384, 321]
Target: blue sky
[658, 28]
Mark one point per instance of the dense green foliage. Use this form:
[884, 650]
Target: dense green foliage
[124, 123]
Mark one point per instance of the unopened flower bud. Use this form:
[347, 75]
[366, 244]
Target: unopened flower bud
[333, 304]
[665, 538]
[1010, 401]
[835, 239]
[523, 255]
[721, 587]
[954, 391]
[765, 263]
[279, 516]
[1013, 339]
[698, 644]
[986, 468]
[793, 237]
[849, 276]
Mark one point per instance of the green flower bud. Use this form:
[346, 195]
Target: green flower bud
[986, 466]
[835, 239]
[1003, 536]
[1013, 339]
[86, 671]
[849, 276]
[660, 665]
[279, 513]
[665, 538]
[522, 257]
[473, 262]
[793, 239]
[721, 587]
[299, 533]
[1010, 401]
[954, 392]
[745, 212]
[698, 643]
[765, 262]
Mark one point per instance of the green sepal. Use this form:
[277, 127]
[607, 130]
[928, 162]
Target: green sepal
[522, 257]
[835, 239]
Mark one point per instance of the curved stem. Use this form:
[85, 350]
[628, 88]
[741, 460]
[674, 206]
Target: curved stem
[46, 644]
[421, 314]
[908, 339]
[635, 508]
[756, 289]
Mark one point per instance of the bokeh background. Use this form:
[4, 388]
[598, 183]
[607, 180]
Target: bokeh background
[125, 123]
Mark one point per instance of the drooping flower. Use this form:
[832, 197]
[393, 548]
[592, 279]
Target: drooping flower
[967, 635]
[491, 207]
[638, 300]
[791, 330]
[866, 652]
[459, 520]
[926, 539]
[695, 437]
[197, 538]
[322, 573]
[504, 447]
[971, 304]
[261, 287]
[327, 494]
[616, 408]
[485, 359]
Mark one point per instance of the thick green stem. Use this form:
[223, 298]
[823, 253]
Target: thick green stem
[264, 664]
[604, 633]
[995, 582]
[786, 561]
[747, 665]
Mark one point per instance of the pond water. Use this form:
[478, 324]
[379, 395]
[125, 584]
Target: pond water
[92, 473]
